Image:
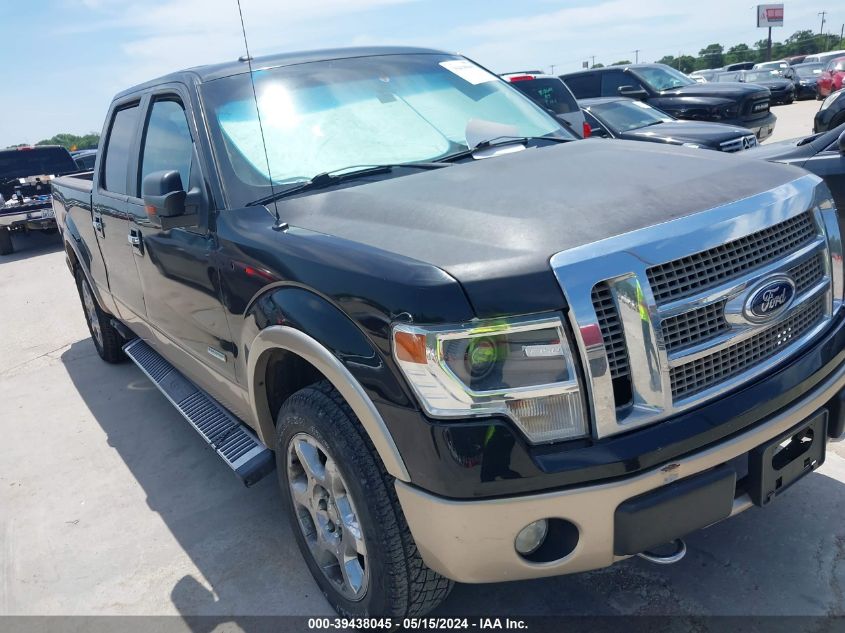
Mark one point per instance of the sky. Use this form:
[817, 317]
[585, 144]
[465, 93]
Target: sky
[63, 60]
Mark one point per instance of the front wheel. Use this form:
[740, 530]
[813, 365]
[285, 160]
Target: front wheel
[344, 511]
[6, 246]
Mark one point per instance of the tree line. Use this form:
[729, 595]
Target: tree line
[72, 142]
[803, 42]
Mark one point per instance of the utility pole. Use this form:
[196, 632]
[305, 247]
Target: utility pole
[769, 46]
[636, 52]
[552, 67]
[593, 57]
[821, 28]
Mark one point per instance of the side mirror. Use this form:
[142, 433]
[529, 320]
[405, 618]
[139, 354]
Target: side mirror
[167, 203]
[632, 92]
[841, 143]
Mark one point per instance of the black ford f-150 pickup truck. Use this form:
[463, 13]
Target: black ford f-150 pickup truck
[394, 287]
[670, 90]
[25, 175]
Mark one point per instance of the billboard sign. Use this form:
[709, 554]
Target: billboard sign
[769, 15]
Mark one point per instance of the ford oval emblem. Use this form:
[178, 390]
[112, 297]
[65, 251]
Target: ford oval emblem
[771, 298]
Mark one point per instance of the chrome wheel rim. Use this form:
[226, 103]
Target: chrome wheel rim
[327, 517]
[91, 314]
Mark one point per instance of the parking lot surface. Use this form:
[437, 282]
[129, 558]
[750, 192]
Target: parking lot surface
[795, 119]
[111, 504]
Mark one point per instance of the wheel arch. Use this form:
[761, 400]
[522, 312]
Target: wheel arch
[281, 341]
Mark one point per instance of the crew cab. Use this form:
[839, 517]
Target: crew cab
[394, 287]
[674, 92]
[25, 175]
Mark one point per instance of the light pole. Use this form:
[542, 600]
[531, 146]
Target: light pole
[636, 52]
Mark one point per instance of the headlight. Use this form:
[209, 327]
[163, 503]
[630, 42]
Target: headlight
[831, 98]
[519, 368]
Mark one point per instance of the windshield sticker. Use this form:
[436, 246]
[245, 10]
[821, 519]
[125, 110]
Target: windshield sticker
[468, 71]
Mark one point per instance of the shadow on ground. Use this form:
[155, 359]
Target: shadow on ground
[32, 244]
[786, 560]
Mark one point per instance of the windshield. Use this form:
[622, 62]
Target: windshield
[662, 77]
[623, 116]
[330, 115]
[727, 77]
[809, 70]
[35, 161]
[549, 92]
[752, 76]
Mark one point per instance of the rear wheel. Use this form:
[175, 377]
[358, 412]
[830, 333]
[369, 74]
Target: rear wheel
[6, 246]
[343, 509]
[106, 338]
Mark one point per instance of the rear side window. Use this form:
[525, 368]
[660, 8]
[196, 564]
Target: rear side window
[121, 135]
[167, 143]
[584, 86]
[549, 93]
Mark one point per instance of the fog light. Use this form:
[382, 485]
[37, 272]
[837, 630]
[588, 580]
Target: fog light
[531, 537]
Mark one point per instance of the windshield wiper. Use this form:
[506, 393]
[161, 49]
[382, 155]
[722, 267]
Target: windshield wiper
[329, 178]
[503, 140]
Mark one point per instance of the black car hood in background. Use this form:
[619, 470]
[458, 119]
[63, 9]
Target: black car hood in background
[714, 89]
[774, 84]
[493, 224]
[702, 132]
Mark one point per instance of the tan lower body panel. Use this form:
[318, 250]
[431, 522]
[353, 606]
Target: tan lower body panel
[473, 541]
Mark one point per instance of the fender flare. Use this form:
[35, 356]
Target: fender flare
[290, 339]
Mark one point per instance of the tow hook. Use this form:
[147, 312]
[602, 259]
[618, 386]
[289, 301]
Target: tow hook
[678, 552]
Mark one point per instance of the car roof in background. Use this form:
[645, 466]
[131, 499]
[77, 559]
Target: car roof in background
[530, 74]
[586, 103]
[226, 69]
[616, 67]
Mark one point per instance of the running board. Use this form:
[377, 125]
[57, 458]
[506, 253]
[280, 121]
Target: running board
[230, 438]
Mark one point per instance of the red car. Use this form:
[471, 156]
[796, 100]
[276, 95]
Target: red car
[832, 77]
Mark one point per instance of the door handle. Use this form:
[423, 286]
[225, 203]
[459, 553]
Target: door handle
[135, 241]
[97, 223]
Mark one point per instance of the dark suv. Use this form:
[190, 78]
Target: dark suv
[674, 92]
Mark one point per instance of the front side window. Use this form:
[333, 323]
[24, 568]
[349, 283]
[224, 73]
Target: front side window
[330, 115]
[612, 81]
[624, 115]
[661, 78]
[167, 143]
[122, 133]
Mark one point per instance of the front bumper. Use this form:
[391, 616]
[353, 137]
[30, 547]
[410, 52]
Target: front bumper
[762, 128]
[473, 541]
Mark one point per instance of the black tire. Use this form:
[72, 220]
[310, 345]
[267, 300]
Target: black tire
[399, 583]
[6, 246]
[107, 340]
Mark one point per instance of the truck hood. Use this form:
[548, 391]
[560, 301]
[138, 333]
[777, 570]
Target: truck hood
[493, 224]
[703, 132]
[727, 89]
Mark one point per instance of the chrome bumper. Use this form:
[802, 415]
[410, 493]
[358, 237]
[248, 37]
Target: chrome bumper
[473, 541]
[25, 217]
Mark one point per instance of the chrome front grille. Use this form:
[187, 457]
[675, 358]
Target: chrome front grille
[664, 316]
[701, 374]
[739, 143]
[694, 326]
[611, 330]
[682, 277]
[807, 274]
